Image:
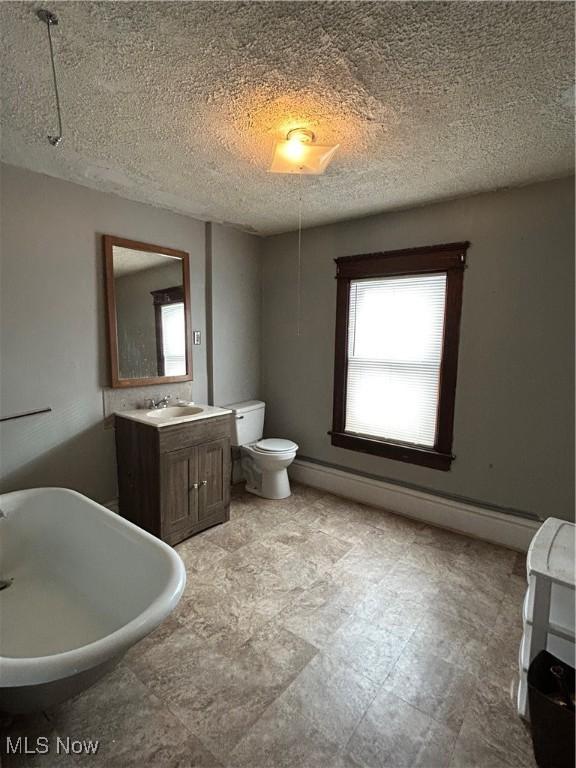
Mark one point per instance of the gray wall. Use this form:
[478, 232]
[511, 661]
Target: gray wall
[236, 282]
[514, 422]
[53, 348]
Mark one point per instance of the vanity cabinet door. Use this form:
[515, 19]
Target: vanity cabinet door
[214, 478]
[179, 494]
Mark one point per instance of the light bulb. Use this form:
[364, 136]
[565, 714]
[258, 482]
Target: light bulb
[293, 150]
[298, 154]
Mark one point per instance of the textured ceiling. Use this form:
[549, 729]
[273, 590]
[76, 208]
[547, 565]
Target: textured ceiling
[127, 261]
[178, 104]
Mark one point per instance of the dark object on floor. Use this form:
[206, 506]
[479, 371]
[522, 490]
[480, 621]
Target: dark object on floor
[551, 700]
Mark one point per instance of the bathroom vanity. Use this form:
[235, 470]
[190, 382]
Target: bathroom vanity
[173, 462]
[174, 469]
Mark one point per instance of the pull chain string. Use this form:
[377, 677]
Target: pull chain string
[299, 269]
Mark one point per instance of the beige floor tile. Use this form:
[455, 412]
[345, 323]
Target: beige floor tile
[394, 734]
[234, 534]
[492, 718]
[480, 556]
[490, 656]
[432, 558]
[471, 751]
[377, 541]
[284, 738]
[440, 538]
[450, 638]
[476, 600]
[509, 621]
[222, 617]
[238, 596]
[332, 697]
[490, 583]
[247, 506]
[219, 697]
[515, 587]
[365, 564]
[154, 640]
[366, 648]
[519, 568]
[401, 530]
[335, 504]
[318, 612]
[199, 554]
[133, 727]
[305, 494]
[499, 664]
[414, 583]
[354, 522]
[387, 610]
[263, 524]
[342, 525]
[434, 686]
[317, 547]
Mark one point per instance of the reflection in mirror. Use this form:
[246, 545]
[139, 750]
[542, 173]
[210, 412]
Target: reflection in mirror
[148, 308]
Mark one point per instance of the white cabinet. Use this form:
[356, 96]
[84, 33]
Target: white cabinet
[549, 609]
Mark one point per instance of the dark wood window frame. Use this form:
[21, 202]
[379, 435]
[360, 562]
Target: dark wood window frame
[449, 258]
[161, 298]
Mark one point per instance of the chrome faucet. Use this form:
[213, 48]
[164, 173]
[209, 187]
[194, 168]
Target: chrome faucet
[160, 403]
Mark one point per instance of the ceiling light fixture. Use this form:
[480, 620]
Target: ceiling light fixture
[299, 154]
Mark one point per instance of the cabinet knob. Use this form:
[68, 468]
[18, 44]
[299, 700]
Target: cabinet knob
[204, 482]
[194, 486]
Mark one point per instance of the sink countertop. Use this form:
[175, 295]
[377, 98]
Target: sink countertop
[208, 412]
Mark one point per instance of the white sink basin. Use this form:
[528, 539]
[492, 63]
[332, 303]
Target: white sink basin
[164, 418]
[174, 412]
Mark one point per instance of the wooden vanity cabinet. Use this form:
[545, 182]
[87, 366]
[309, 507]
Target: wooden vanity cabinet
[174, 481]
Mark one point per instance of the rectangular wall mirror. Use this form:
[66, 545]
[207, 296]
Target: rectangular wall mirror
[148, 301]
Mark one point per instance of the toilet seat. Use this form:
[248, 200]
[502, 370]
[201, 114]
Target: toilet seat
[275, 445]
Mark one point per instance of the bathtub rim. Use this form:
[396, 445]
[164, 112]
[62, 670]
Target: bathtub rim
[31, 670]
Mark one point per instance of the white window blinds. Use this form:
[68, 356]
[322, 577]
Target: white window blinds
[174, 339]
[395, 332]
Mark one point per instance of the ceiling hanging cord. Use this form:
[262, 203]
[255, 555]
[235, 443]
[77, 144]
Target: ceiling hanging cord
[299, 266]
[51, 20]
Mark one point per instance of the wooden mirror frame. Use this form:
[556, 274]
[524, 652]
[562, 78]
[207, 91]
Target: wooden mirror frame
[108, 243]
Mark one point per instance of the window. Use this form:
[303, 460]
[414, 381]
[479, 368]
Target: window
[170, 331]
[397, 328]
[173, 339]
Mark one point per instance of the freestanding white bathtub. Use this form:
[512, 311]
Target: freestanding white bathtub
[86, 585]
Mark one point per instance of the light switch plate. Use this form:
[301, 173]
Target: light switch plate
[196, 337]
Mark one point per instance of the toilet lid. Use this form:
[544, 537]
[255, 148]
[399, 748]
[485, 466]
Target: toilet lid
[275, 445]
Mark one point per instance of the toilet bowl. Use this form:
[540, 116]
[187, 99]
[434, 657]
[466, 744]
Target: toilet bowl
[265, 468]
[264, 462]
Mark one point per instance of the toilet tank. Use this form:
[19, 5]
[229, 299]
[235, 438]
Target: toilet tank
[248, 421]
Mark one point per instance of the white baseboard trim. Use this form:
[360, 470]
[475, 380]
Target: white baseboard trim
[480, 522]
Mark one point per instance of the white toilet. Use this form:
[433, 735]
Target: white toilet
[264, 461]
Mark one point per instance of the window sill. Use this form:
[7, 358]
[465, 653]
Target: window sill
[425, 457]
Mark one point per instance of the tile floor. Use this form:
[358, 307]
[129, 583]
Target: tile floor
[319, 633]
